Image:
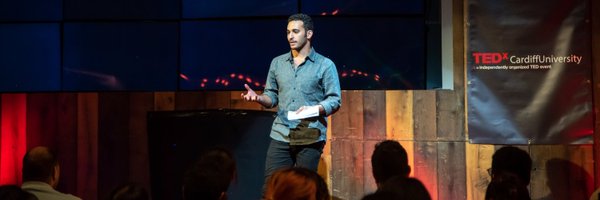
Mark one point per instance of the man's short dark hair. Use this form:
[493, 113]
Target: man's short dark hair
[129, 191]
[399, 187]
[513, 160]
[389, 159]
[308, 22]
[406, 188]
[38, 164]
[210, 175]
[506, 185]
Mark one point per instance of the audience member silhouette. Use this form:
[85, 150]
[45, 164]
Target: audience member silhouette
[506, 186]
[13, 192]
[296, 184]
[129, 191]
[400, 187]
[389, 159]
[41, 172]
[381, 195]
[567, 180]
[512, 160]
[209, 177]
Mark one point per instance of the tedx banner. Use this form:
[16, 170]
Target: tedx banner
[529, 72]
[490, 61]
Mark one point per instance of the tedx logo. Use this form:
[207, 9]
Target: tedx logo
[489, 58]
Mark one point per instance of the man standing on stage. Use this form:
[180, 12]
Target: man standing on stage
[305, 87]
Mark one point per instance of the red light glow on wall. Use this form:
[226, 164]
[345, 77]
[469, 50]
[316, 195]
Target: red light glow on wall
[12, 137]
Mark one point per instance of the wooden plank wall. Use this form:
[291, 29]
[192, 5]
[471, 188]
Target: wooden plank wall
[102, 142]
[596, 86]
[101, 137]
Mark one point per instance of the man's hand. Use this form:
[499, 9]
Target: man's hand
[250, 94]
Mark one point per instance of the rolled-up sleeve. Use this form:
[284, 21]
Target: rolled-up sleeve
[332, 91]
[271, 87]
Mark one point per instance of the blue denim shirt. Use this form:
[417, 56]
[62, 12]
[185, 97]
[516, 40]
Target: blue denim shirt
[314, 82]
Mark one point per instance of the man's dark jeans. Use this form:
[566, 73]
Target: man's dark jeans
[282, 155]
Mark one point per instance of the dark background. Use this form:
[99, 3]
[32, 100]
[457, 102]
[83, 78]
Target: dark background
[162, 45]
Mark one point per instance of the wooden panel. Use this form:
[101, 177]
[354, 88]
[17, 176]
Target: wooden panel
[42, 121]
[582, 170]
[66, 120]
[424, 115]
[218, 100]
[451, 170]
[12, 137]
[113, 141]
[459, 16]
[324, 168]
[87, 146]
[204, 100]
[596, 86]
[51, 122]
[164, 101]
[190, 100]
[562, 172]
[370, 185]
[541, 155]
[426, 164]
[347, 168]
[399, 115]
[478, 160]
[374, 115]
[451, 116]
[139, 164]
[348, 121]
[409, 146]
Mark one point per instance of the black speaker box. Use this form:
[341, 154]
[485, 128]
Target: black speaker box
[176, 139]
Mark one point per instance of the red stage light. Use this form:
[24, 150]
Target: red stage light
[183, 76]
[335, 12]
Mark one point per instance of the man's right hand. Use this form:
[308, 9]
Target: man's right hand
[250, 94]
